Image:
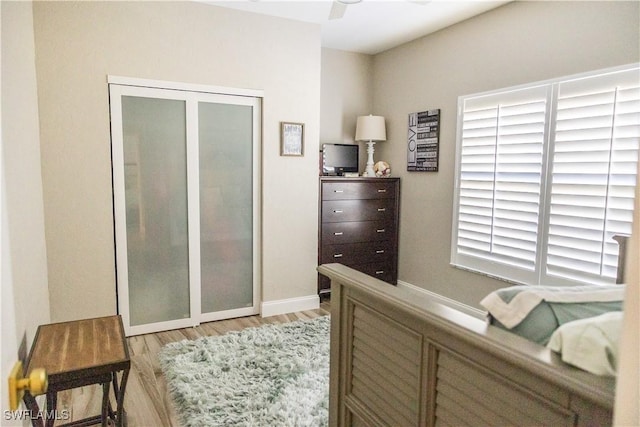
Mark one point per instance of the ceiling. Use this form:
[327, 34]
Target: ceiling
[369, 26]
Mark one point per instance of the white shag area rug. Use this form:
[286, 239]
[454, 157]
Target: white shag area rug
[272, 375]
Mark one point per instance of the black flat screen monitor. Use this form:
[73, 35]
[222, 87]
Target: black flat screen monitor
[339, 158]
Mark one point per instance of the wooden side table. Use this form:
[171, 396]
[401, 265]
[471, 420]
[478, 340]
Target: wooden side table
[77, 354]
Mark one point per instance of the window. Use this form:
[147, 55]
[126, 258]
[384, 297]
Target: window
[545, 177]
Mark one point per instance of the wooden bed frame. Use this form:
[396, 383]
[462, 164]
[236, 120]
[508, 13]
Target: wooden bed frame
[400, 359]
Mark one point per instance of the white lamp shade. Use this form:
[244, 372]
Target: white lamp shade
[370, 128]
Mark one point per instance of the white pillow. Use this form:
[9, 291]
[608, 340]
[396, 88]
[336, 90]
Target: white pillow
[590, 344]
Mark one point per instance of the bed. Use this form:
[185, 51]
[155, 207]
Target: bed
[400, 359]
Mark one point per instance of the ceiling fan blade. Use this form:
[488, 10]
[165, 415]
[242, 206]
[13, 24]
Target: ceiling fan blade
[337, 10]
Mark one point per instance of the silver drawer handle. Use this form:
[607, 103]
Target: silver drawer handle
[382, 209]
[381, 230]
[382, 190]
[338, 191]
[337, 255]
[380, 272]
[381, 251]
[338, 233]
[337, 211]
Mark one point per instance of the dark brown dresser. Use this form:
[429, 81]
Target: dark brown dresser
[358, 226]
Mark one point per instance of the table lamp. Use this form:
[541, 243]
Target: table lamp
[370, 129]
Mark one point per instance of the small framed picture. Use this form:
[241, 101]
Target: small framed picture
[291, 139]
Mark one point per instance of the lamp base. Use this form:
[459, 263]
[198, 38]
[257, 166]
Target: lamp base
[369, 169]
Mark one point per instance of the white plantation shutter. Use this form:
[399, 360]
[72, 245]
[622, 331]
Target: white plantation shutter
[545, 177]
[593, 173]
[501, 169]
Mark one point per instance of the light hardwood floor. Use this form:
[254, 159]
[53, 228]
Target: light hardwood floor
[147, 401]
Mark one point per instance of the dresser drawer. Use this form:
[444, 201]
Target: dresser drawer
[356, 231]
[382, 271]
[358, 210]
[358, 253]
[380, 189]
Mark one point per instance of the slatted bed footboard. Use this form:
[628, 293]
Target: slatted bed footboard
[399, 359]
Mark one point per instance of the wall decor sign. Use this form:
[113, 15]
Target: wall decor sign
[291, 139]
[423, 141]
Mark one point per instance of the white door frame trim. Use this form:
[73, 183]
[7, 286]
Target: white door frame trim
[189, 87]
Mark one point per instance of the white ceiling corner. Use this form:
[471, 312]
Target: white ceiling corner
[371, 26]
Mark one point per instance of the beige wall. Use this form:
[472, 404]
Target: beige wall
[79, 44]
[25, 295]
[347, 92]
[518, 43]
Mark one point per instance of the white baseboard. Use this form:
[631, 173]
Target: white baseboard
[451, 303]
[289, 305]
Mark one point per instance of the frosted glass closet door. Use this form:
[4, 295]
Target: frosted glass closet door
[226, 206]
[155, 174]
[187, 211]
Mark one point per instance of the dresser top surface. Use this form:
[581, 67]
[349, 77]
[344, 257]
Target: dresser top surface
[357, 179]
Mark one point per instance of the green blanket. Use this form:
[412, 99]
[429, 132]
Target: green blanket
[535, 312]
